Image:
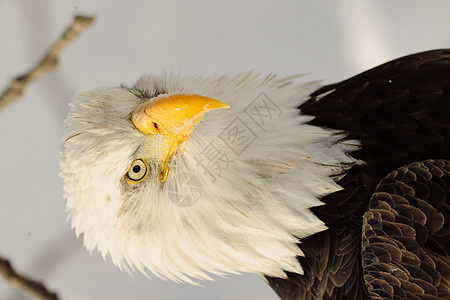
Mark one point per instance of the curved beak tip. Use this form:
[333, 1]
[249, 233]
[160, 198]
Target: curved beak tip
[175, 116]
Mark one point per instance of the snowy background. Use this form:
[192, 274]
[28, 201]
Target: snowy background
[331, 40]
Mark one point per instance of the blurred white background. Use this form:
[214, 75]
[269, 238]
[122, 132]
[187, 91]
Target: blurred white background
[331, 40]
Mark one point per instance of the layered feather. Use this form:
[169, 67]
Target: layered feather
[251, 212]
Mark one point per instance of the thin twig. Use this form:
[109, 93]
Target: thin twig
[48, 63]
[33, 287]
[13, 92]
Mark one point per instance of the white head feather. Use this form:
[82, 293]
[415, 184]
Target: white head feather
[258, 168]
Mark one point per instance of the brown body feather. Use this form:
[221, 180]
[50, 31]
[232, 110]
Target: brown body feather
[406, 234]
[400, 111]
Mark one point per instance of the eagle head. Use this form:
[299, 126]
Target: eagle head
[187, 175]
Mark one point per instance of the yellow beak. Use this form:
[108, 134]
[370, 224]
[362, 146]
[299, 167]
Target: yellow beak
[174, 116]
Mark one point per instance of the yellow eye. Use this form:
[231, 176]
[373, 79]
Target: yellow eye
[137, 171]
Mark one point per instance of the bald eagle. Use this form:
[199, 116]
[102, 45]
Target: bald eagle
[326, 192]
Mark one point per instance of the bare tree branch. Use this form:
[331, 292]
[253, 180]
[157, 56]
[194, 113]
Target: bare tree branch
[13, 92]
[48, 63]
[33, 287]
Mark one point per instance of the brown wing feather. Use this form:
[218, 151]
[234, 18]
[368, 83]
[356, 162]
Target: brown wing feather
[418, 263]
[400, 111]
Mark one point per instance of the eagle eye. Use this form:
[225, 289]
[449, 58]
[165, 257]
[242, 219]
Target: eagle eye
[137, 171]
